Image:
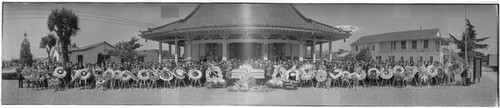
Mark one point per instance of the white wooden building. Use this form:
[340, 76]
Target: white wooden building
[94, 53]
[412, 45]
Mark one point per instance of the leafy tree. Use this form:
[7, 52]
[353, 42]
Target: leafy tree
[25, 56]
[125, 50]
[74, 45]
[472, 42]
[49, 42]
[65, 24]
[364, 55]
[14, 60]
[341, 51]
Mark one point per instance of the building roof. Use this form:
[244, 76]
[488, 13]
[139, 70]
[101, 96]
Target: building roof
[84, 48]
[398, 36]
[245, 15]
[152, 51]
[91, 46]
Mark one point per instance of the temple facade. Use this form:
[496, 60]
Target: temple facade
[244, 31]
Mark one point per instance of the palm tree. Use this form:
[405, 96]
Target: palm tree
[65, 24]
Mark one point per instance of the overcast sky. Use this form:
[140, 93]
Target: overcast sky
[120, 22]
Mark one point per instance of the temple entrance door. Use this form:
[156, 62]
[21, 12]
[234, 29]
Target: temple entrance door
[214, 51]
[277, 51]
[245, 51]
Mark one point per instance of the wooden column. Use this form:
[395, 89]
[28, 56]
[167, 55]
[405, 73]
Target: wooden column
[160, 53]
[320, 50]
[265, 47]
[187, 48]
[224, 51]
[330, 50]
[265, 51]
[301, 51]
[313, 49]
[224, 47]
[176, 56]
[170, 51]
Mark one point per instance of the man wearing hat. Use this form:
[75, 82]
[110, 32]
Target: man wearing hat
[468, 76]
[465, 76]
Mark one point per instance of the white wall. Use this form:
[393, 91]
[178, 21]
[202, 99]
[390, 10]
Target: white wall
[90, 55]
[384, 50]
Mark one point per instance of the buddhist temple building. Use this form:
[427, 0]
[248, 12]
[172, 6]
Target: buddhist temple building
[245, 31]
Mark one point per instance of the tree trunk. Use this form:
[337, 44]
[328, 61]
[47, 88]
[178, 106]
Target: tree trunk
[64, 48]
[48, 54]
[52, 52]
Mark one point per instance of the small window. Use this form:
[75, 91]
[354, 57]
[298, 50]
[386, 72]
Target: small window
[426, 43]
[437, 46]
[373, 47]
[403, 45]
[80, 58]
[414, 44]
[402, 58]
[140, 59]
[356, 48]
[394, 47]
[431, 59]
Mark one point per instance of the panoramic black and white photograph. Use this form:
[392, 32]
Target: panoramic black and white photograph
[250, 54]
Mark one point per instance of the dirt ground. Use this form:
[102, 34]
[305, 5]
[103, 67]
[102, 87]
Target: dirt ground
[481, 94]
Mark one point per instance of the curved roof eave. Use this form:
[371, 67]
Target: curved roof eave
[245, 28]
[319, 25]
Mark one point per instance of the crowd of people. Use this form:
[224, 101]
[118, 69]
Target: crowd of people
[339, 73]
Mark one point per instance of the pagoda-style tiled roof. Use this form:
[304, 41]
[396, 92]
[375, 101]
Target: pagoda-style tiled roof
[281, 16]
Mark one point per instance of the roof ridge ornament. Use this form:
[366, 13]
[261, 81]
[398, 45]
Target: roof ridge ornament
[245, 36]
[203, 37]
[266, 36]
[224, 36]
[283, 37]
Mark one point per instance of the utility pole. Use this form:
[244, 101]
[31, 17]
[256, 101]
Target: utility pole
[466, 38]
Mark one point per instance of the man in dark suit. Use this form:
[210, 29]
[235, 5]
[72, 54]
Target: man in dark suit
[464, 76]
[20, 77]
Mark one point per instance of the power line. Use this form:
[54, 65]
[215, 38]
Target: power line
[24, 18]
[22, 13]
[84, 15]
[86, 12]
[113, 22]
[80, 18]
[114, 17]
[88, 16]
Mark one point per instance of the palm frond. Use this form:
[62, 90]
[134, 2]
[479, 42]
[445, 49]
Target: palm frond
[481, 39]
